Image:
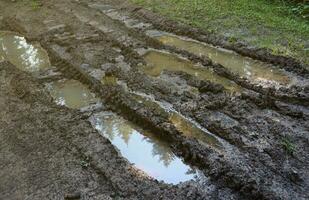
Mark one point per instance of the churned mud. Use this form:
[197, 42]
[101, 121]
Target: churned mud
[105, 100]
[156, 62]
[244, 66]
[142, 148]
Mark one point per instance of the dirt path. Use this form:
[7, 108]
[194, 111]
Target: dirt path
[263, 130]
[49, 152]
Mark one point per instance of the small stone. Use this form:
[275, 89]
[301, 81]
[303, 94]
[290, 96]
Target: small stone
[75, 195]
[294, 176]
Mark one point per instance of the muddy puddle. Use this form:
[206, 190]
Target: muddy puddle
[189, 129]
[184, 125]
[26, 56]
[158, 61]
[244, 66]
[143, 149]
[71, 93]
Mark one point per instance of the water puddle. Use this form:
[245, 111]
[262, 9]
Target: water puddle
[143, 149]
[71, 93]
[158, 61]
[184, 125]
[246, 67]
[189, 129]
[25, 56]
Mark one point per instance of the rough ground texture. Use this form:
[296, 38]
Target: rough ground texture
[264, 131]
[263, 23]
[49, 152]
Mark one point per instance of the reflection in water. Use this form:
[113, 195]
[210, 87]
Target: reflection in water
[25, 56]
[191, 130]
[142, 148]
[71, 93]
[159, 61]
[244, 66]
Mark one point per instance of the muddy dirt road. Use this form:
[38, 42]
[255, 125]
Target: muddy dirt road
[105, 100]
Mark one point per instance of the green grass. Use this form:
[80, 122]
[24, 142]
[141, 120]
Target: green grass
[262, 23]
[288, 146]
[33, 4]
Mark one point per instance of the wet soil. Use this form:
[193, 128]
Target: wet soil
[51, 152]
[241, 65]
[141, 147]
[249, 144]
[156, 62]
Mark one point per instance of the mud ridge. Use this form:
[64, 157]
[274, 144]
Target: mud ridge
[295, 94]
[148, 117]
[162, 23]
[256, 127]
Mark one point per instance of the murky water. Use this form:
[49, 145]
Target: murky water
[244, 66]
[159, 61]
[25, 56]
[143, 149]
[183, 125]
[191, 130]
[71, 93]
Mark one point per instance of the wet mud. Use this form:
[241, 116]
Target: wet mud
[164, 24]
[248, 144]
[191, 130]
[241, 65]
[159, 61]
[142, 148]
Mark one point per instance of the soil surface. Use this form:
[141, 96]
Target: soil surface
[52, 152]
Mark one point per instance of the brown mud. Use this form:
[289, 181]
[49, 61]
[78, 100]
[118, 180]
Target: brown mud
[257, 147]
[162, 23]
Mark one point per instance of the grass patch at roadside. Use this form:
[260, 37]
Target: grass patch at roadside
[262, 23]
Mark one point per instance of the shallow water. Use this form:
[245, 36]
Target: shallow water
[244, 66]
[187, 127]
[24, 55]
[191, 130]
[159, 61]
[143, 149]
[71, 93]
